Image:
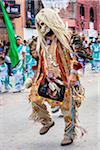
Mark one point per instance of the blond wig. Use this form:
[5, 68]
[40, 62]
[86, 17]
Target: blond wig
[51, 19]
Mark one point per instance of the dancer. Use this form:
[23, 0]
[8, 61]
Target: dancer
[56, 71]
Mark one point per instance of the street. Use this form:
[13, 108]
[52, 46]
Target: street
[18, 132]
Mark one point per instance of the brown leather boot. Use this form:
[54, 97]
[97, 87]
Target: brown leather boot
[46, 127]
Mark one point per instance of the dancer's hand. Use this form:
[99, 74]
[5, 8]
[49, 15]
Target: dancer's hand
[34, 96]
[72, 80]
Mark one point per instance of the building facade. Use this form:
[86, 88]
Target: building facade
[20, 22]
[14, 11]
[23, 22]
[82, 15]
[88, 14]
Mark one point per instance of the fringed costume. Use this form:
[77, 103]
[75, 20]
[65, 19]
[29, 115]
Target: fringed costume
[55, 62]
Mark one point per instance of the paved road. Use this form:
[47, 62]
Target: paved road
[17, 132]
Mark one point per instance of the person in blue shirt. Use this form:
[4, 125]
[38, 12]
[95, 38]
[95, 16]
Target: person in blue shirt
[4, 80]
[18, 71]
[96, 55]
[29, 61]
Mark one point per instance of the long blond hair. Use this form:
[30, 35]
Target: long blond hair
[53, 21]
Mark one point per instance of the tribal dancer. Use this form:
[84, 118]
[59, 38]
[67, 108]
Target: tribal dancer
[55, 62]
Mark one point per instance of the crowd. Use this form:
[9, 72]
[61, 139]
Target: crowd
[14, 78]
[90, 53]
[29, 59]
[93, 47]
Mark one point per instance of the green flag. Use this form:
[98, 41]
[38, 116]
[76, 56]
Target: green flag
[13, 54]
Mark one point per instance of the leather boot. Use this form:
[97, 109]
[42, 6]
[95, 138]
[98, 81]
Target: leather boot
[66, 141]
[46, 127]
[68, 137]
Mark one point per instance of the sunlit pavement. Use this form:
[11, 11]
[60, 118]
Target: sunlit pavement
[17, 132]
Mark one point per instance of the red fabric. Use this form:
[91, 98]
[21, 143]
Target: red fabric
[63, 74]
[34, 67]
[77, 66]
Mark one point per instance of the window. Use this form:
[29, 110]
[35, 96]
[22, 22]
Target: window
[91, 15]
[82, 11]
[30, 16]
[9, 3]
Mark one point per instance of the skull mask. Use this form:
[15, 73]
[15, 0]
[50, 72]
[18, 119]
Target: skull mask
[44, 29]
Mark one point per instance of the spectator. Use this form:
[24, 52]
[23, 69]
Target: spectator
[7, 59]
[29, 61]
[18, 71]
[1, 48]
[4, 81]
[96, 55]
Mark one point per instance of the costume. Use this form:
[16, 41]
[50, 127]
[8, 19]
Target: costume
[18, 70]
[8, 62]
[29, 63]
[4, 80]
[96, 56]
[54, 62]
